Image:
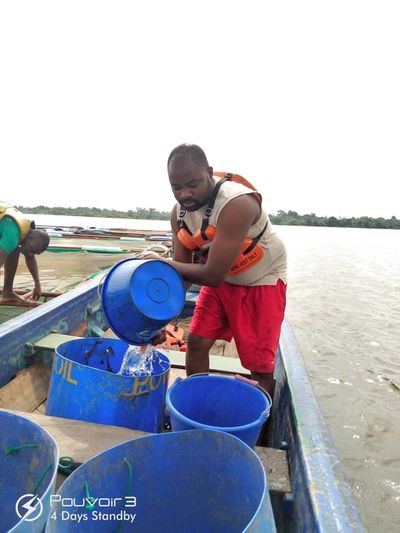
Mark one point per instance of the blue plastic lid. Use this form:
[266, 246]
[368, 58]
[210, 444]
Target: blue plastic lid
[157, 290]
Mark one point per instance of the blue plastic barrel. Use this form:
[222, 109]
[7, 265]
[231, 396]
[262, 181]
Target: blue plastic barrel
[84, 386]
[139, 298]
[28, 467]
[219, 403]
[188, 482]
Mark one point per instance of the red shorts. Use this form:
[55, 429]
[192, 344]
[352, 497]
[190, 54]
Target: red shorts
[251, 315]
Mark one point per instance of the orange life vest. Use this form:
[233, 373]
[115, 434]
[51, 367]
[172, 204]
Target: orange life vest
[251, 252]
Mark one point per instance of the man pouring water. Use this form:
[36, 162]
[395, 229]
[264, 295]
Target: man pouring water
[240, 263]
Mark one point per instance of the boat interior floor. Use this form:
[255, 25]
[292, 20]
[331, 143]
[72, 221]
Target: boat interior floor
[26, 395]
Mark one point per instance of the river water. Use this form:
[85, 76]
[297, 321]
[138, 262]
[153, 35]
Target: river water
[344, 305]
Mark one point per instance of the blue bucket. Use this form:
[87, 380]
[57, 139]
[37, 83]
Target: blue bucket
[84, 386]
[188, 482]
[28, 468]
[219, 403]
[141, 297]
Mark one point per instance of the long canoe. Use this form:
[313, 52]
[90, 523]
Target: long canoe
[309, 492]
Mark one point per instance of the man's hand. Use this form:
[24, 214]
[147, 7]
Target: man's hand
[150, 255]
[156, 251]
[37, 292]
[160, 337]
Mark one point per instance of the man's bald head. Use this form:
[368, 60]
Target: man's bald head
[36, 242]
[185, 152]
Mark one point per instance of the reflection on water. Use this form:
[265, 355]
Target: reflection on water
[343, 301]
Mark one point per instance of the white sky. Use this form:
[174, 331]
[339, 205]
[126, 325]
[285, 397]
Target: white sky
[302, 98]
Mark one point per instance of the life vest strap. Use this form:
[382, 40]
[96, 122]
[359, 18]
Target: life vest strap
[255, 240]
[210, 206]
[184, 237]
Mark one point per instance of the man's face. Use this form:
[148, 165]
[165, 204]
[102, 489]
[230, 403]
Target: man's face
[191, 183]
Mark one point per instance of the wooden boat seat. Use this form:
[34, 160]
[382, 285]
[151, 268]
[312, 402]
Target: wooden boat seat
[28, 390]
[218, 363]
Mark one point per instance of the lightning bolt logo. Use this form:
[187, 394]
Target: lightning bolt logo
[33, 507]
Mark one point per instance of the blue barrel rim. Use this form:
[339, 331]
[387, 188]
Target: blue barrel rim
[104, 283]
[164, 358]
[45, 431]
[172, 435]
[262, 418]
[51, 486]
[215, 377]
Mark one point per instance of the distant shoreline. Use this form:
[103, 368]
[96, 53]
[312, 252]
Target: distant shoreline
[289, 218]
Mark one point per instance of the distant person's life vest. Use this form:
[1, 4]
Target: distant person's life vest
[24, 225]
[251, 252]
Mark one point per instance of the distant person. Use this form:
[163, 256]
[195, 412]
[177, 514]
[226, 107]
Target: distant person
[18, 235]
[243, 266]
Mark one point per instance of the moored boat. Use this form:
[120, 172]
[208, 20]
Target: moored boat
[99, 233]
[307, 486]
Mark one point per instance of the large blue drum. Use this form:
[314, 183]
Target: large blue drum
[28, 468]
[85, 385]
[189, 482]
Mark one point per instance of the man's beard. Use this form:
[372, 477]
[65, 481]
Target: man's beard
[194, 205]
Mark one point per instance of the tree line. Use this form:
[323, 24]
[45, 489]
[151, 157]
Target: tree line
[139, 212]
[289, 218]
[292, 218]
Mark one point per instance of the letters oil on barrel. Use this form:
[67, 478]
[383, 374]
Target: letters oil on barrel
[85, 385]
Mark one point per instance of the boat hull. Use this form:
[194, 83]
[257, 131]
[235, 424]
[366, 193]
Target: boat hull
[320, 500]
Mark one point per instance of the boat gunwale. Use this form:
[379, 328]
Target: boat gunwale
[311, 452]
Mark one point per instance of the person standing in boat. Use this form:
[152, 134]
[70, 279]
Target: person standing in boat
[243, 273]
[18, 235]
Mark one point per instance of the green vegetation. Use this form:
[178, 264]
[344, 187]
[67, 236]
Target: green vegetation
[139, 212]
[291, 218]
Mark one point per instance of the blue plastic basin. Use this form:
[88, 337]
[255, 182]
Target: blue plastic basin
[219, 403]
[141, 297]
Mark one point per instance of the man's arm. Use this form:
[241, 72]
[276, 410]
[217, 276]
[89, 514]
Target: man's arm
[31, 263]
[3, 257]
[232, 229]
[10, 268]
